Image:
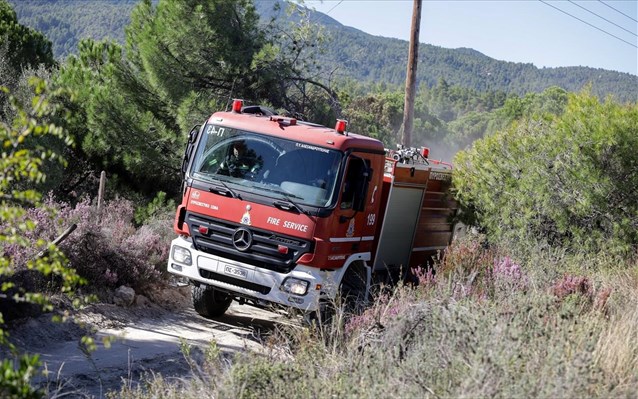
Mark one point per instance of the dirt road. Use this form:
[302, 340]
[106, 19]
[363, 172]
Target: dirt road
[147, 340]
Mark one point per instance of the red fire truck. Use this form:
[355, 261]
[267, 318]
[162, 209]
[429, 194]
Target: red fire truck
[278, 212]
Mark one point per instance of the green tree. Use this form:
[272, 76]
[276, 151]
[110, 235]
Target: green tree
[380, 115]
[377, 115]
[224, 52]
[182, 61]
[21, 167]
[475, 119]
[21, 49]
[120, 124]
[551, 101]
[27, 47]
[184, 45]
[570, 180]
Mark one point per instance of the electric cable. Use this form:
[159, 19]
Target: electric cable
[585, 22]
[334, 7]
[601, 17]
[618, 11]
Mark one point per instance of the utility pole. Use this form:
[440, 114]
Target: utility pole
[410, 79]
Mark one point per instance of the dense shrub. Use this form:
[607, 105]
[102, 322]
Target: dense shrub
[160, 206]
[106, 248]
[569, 181]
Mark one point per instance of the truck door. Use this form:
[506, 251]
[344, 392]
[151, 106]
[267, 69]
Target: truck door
[356, 209]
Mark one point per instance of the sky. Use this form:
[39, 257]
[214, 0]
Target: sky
[528, 31]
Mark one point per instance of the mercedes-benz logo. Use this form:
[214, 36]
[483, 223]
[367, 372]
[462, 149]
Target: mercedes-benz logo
[242, 239]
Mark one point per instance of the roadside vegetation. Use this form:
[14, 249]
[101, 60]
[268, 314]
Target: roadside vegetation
[29, 266]
[539, 298]
[487, 324]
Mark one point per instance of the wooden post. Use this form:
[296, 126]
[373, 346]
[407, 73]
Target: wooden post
[58, 240]
[410, 79]
[100, 193]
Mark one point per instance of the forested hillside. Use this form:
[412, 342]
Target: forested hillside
[467, 68]
[347, 51]
[65, 23]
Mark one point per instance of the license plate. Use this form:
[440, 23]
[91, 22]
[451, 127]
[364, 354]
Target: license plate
[235, 271]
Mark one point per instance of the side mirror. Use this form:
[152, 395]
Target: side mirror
[192, 137]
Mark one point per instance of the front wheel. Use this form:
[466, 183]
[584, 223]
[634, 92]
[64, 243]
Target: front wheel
[351, 299]
[209, 302]
[353, 290]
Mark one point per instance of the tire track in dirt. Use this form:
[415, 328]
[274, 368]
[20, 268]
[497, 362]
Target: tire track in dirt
[141, 344]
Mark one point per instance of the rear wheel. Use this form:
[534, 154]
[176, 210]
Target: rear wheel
[209, 302]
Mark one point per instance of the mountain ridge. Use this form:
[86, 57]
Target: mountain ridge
[354, 54]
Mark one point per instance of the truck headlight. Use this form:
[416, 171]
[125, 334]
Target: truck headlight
[182, 255]
[295, 286]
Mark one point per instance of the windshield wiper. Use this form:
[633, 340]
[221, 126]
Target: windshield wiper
[289, 204]
[225, 190]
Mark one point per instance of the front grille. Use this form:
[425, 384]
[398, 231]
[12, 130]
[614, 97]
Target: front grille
[262, 253]
[262, 289]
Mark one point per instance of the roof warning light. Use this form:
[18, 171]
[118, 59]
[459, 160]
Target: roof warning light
[237, 104]
[340, 127]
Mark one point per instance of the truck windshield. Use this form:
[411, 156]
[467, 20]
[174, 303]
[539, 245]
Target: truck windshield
[268, 166]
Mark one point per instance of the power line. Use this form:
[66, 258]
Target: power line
[585, 22]
[335, 6]
[601, 17]
[633, 19]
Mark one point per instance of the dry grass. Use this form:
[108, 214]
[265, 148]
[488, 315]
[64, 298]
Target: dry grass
[616, 351]
[489, 326]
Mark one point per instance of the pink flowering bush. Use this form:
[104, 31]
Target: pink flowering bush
[573, 285]
[467, 270]
[372, 315]
[474, 269]
[425, 277]
[106, 248]
[506, 268]
[507, 276]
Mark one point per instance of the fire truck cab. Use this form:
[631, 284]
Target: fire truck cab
[279, 212]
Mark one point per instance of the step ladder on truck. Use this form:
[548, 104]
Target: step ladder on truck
[280, 213]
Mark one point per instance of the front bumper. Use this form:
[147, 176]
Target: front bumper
[264, 287]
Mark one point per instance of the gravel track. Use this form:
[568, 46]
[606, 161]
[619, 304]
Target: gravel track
[145, 339]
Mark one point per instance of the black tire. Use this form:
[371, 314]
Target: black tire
[323, 316]
[209, 302]
[352, 289]
[351, 299]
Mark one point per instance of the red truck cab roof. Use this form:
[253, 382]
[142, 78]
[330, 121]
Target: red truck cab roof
[292, 129]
